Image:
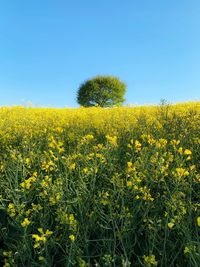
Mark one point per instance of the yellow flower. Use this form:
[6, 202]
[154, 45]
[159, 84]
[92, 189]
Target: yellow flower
[186, 250]
[104, 202]
[7, 254]
[7, 264]
[130, 166]
[198, 221]
[189, 249]
[161, 143]
[188, 158]
[37, 237]
[26, 184]
[180, 150]
[129, 183]
[187, 152]
[85, 170]
[43, 183]
[25, 223]
[171, 224]
[40, 258]
[28, 162]
[112, 140]
[72, 166]
[48, 232]
[192, 167]
[72, 238]
[174, 142]
[138, 146]
[48, 166]
[87, 138]
[11, 206]
[147, 196]
[41, 239]
[150, 260]
[11, 210]
[181, 172]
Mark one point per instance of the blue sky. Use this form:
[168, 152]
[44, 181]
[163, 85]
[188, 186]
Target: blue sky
[49, 47]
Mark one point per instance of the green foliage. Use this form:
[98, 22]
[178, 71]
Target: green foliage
[103, 91]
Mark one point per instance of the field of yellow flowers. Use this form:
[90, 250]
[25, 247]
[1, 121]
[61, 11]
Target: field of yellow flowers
[100, 187]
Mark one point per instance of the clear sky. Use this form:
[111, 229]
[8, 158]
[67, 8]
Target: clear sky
[49, 47]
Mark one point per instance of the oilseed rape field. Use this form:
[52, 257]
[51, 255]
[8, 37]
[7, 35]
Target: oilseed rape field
[100, 187]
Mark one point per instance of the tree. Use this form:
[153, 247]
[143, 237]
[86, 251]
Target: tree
[104, 91]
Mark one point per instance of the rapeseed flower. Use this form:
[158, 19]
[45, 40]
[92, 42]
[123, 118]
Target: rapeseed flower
[11, 209]
[198, 221]
[112, 140]
[42, 238]
[72, 238]
[150, 260]
[25, 222]
[72, 167]
[171, 224]
[181, 172]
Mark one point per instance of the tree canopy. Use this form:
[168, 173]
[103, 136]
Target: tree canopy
[103, 91]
